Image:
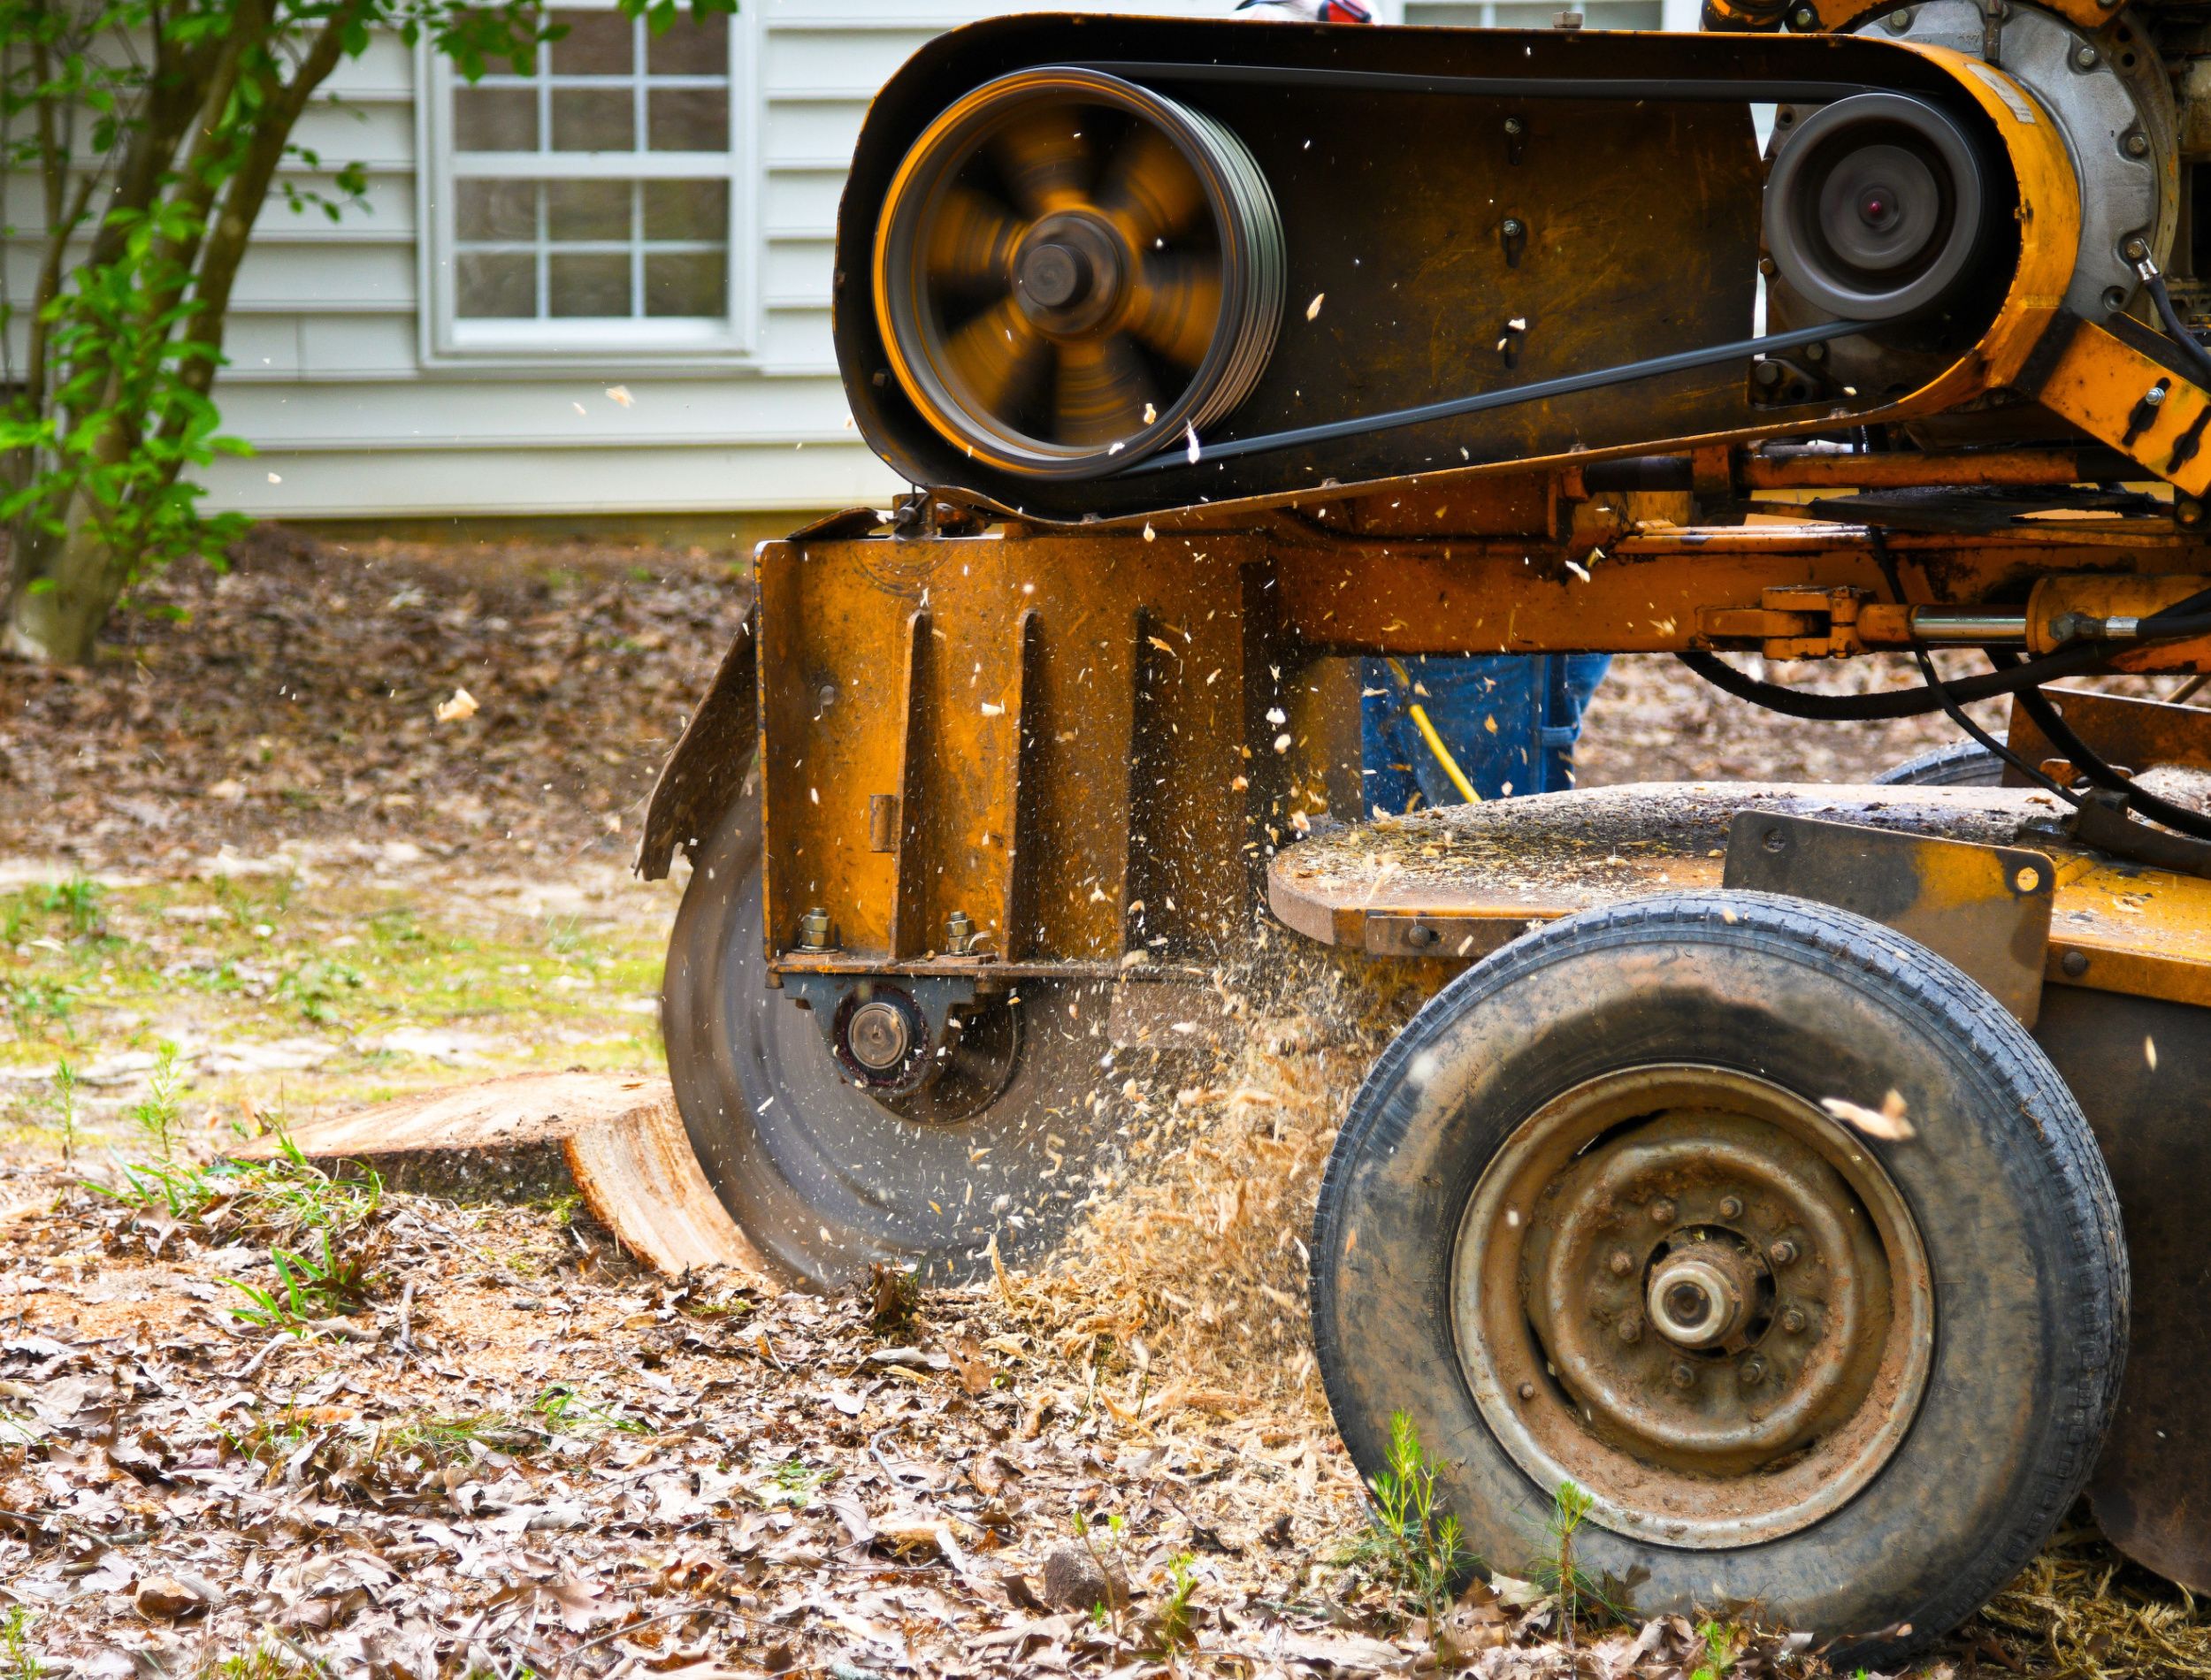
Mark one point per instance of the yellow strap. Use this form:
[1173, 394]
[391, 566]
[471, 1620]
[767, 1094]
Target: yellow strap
[1436, 742]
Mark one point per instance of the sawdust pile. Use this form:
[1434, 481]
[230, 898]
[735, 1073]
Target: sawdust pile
[1190, 1263]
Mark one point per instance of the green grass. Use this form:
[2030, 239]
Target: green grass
[90, 972]
[1411, 1546]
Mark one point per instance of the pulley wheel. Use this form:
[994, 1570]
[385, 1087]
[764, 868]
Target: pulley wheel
[1072, 271]
[824, 1172]
[1873, 210]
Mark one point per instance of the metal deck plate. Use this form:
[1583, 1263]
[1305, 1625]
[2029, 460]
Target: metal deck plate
[1461, 880]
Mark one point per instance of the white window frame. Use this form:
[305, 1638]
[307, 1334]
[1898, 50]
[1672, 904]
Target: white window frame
[731, 340]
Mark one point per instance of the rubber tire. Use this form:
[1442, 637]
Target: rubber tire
[1962, 763]
[824, 1180]
[2012, 1199]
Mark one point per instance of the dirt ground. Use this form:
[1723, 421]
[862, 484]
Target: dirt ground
[257, 1425]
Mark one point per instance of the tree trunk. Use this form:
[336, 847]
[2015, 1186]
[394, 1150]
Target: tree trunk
[61, 587]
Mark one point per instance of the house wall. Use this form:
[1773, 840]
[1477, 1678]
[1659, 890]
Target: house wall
[335, 380]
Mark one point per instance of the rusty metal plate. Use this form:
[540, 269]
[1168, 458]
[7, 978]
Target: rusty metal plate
[1986, 908]
[2137, 734]
[2139, 1068]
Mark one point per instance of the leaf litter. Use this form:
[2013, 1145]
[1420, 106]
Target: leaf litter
[510, 1451]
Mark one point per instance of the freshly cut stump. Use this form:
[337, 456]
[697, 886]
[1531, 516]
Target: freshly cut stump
[616, 1141]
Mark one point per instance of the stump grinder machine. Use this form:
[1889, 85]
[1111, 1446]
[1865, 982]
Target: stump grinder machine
[1818, 1176]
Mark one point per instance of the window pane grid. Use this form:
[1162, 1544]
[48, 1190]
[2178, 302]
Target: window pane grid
[616, 161]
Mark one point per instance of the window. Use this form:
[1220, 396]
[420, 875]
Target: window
[1522, 14]
[595, 203]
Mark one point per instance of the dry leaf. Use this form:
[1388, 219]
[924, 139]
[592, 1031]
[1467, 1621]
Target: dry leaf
[459, 709]
[1886, 1122]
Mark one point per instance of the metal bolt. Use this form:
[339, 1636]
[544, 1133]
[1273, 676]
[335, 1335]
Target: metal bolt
[1804, 17]
[1767, 373]
[2084, 57]
[2186, 511]
[1514, 125]
[1792, 1320]
[1767, 267]
[1815, 353]
[1681, 1376]
[1661, 1211]
[1527, 1390]
[1782, 1253]
[2075, 963]
[1630, 1329]
[2155, 395]
[816, 931]
[2028, 879]
[1622, 1262]
[1900, 21]
[2135, 250]
[1731, 1207]
[1751, 1373]
[2138, 145]
[1513, 227]
[959, 932]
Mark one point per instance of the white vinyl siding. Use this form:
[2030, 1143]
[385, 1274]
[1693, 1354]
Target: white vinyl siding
[358, 408]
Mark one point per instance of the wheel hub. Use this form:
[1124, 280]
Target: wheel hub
[1691, 1293]
[1070, 275]
[879, 1036]
[1703, 1293]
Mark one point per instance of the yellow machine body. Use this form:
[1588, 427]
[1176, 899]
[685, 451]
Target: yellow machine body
[1066, 716]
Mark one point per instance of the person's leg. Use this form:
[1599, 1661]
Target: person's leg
[1507, 723]
[1389, 746]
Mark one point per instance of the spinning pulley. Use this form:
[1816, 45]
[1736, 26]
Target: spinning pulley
[1077, 276]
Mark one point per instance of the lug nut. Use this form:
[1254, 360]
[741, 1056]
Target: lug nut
[1731, 1207]
[1681, 1376]
[2084, 57]
[1751, 1373]
[1630, 1329]
[1782, 1253]
[1661, 1211]
[1792, 1320]
[1621, 1263]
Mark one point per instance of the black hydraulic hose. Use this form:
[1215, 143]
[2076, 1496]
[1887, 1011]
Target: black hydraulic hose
[2100, 772]
[1882, 708]
[2177, 331]
[1940, 689]
[2183, 619]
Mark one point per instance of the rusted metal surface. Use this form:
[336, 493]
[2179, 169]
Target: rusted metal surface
[1984, 907]
[702, 776]
[1666, 589]
[2101, 380]
[1697, 1296]
[2139, 735]
[1059, 724]
[1481, 870]
[2141, 1073]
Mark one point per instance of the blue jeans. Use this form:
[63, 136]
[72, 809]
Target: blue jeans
[1511, 722]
